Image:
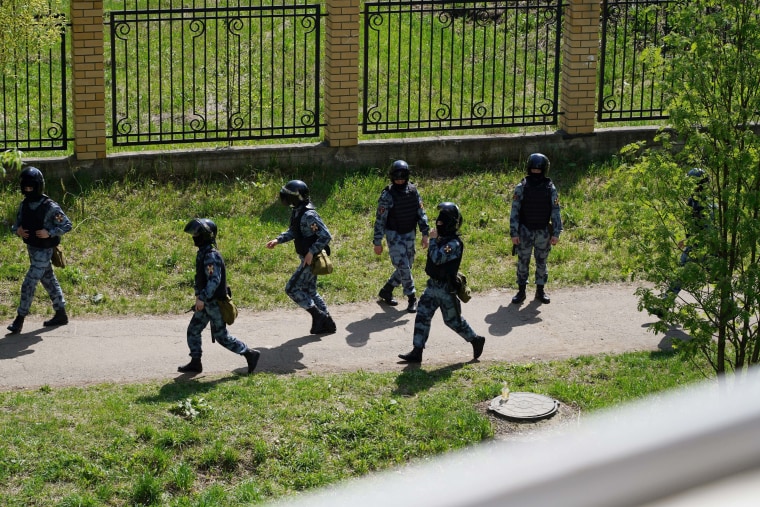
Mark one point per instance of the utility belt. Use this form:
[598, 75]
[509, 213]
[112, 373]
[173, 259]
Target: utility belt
[443, 284]
[539, 228]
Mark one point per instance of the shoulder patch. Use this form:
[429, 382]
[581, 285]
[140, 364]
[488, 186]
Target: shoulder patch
[58, 218]
[447, 249]
[209, 269]
[314, 227]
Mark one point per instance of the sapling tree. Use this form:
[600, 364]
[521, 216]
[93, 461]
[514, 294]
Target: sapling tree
[709, 59]
[29, 28]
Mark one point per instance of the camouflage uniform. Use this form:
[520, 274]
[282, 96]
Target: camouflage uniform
[400, 239]
[302, 286]
[40, 252]
[534, 238]
[210, 281]
[439, 293]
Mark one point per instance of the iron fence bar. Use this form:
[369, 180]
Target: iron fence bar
[229, 87]
[460, 80]
[628, 88]
[35, 102]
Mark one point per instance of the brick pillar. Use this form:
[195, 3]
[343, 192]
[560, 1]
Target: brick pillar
[88, 79]
[580, 49]
[342, 73]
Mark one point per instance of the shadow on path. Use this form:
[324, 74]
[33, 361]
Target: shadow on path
[360, 331]
[17, 345]
[503, 320]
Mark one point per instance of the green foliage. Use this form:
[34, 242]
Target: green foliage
[29, 28]
[10, 161]
[710, 82]
[190, 408]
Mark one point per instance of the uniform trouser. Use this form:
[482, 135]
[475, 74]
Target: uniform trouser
[302, 289]
[436, 295]
[40, 270]
[219, 333]
[401, 249]
[538, 243]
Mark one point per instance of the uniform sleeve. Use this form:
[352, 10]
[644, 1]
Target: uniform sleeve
[212, 264]
[514, 215]
[384, 204]
[285, 236]
[556, 216]
[312, 223]
[422, 219]
[56, 221]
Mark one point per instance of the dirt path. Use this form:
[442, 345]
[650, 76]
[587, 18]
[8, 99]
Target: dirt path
[585, 320]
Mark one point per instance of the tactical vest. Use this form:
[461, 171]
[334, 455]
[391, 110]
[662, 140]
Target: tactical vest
[201, 278]
[34, 220]
[446, 272]
[536, 204]
[301, 242]
[402, 217]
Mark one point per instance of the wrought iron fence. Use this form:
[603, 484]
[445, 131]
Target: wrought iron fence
[441, 65]
[628, 84]
[215, 74]
[34, 101]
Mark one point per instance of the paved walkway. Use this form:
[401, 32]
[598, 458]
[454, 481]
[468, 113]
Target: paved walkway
[586, 320]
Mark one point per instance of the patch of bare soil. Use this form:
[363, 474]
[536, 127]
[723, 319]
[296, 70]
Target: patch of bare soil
[565, 418]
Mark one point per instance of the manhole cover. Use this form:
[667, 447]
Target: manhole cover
[524, 406]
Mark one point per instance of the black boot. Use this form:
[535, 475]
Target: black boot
[520, 296]
[412, 308]
[321, 322]
[194, 366]
[386, 294]
[16, 325]
[252, 356]
[415, 356]
[541, 295]
[477, 346]
[329, 326]
[59, 319]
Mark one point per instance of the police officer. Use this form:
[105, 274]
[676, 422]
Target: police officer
[40, 222]
[699, 220]
[310, 236]
[399, 213]
[534, 225]
[210, 286]
[443, 259]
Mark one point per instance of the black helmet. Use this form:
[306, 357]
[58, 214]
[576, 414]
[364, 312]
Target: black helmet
[202, 230]
[698, 174]
[538, 161]
[294, 192]
[32, 177]
[399, 171]
[449, 219]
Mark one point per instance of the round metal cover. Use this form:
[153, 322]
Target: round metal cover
[524, 406]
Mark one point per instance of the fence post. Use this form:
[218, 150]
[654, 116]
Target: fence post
[88, 79]
[580, 49]
[342, 73]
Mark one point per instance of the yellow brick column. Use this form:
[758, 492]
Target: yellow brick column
[88, 79]
[580, 48]
[342, 73]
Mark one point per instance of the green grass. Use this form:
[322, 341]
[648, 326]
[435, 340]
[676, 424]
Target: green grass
[238, 440]
[127, 253]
